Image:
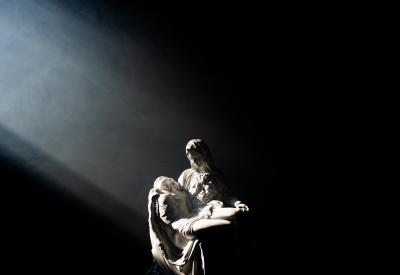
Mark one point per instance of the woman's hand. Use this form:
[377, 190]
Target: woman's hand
[206, 212]
[216, 204]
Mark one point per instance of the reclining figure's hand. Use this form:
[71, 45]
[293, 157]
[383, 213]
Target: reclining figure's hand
[241, 207]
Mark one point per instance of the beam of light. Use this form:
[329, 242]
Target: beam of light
[60, 91]
[94, 99]
[31, 160]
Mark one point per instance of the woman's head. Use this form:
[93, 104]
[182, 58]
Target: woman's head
[199, 155]
[166, 184]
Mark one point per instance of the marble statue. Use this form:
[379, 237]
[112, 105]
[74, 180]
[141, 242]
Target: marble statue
[202, 180]
[178, 211]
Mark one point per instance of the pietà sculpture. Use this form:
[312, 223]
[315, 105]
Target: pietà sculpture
[179, 210]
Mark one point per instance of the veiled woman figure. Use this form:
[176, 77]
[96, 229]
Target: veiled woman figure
[202, 180]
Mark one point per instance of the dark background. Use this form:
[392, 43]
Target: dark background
[237, 79]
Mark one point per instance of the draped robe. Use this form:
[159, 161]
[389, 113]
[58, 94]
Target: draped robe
[177, 251]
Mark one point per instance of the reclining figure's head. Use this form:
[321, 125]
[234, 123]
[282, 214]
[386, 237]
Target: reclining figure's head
[166, 184]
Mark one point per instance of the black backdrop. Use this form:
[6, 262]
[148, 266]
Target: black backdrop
[245, 59]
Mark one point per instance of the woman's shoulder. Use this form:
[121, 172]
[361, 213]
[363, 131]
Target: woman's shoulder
[185, 174]
[188, 171]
